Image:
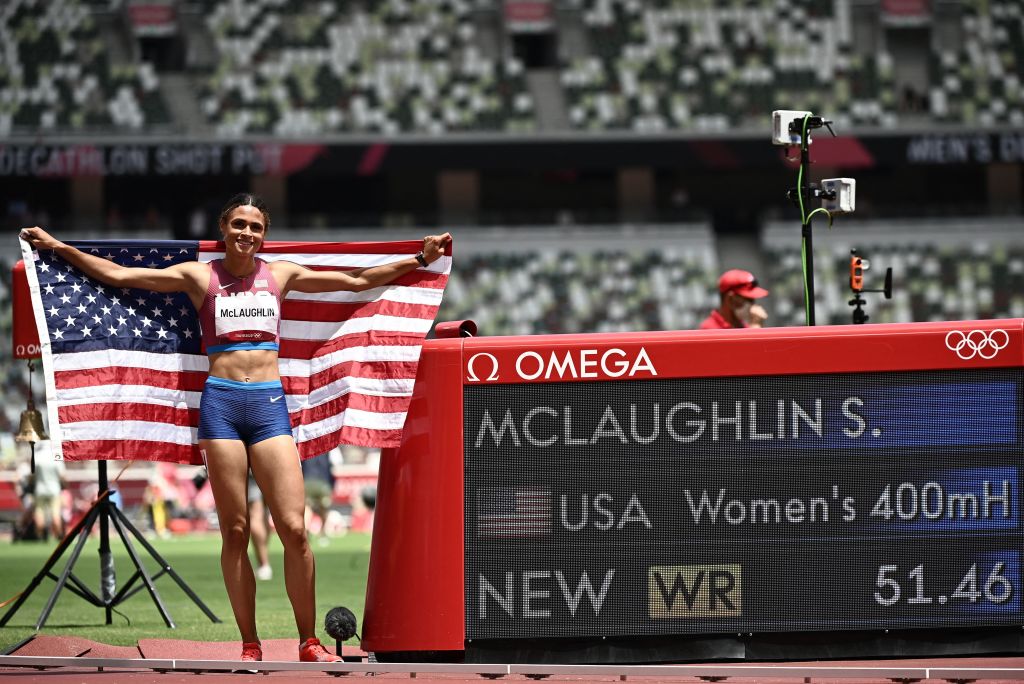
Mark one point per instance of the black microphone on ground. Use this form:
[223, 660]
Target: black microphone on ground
[340, 625]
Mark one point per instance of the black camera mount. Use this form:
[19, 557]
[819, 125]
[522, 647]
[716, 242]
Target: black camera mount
[812, 191]
[796, 126]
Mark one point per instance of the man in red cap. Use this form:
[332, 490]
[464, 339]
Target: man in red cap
[738, 309]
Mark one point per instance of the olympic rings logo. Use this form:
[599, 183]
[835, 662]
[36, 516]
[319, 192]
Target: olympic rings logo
[978, 343]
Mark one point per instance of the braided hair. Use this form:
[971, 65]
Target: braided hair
[245, 199]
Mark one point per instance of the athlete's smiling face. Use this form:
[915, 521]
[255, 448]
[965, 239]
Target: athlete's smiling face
[244, 230]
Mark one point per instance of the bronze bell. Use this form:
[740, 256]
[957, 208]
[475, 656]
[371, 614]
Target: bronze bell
[31, 429]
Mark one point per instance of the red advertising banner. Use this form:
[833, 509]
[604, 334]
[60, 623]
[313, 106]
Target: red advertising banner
[25, 335]
[529, 15]
[153, 18]
[907, 8]
[669, 354]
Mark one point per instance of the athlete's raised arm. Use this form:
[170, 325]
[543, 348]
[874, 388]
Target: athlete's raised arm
[302, 279]
[185, 277]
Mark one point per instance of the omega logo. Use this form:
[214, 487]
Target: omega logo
[564, 364]
[471, 368]
[29, 349]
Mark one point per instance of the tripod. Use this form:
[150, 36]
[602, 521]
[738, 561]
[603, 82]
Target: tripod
[106, 513]
[860, 316]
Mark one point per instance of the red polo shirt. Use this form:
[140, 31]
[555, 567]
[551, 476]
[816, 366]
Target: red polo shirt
[716, 321]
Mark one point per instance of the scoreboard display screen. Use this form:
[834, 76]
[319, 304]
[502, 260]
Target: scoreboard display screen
[842, 501]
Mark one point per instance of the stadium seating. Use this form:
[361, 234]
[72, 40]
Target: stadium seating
[55, 75]
[297, 68]
[587, 283]
[399, 66]
[965, 270]
[705, 66]
[980, 82]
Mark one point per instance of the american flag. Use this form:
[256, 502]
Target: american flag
[124, 368]
[507, 512]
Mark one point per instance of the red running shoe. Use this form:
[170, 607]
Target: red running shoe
[251, 652]
[312, 651]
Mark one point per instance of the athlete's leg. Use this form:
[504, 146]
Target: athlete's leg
[275, 465]
[258, 533]
[258, 525]
[56, 518]
[227, 463]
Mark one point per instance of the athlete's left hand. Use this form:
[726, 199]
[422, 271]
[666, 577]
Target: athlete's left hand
[433, 246]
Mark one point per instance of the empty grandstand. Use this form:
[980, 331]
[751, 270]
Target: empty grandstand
[666, 65]
[963, 270]
[314, 68]
[445, 66]
[57, 75]
[584, 280]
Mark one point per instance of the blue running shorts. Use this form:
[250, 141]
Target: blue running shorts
[248, 411]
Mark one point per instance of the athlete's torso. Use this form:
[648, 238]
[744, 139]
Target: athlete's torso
[240, 314]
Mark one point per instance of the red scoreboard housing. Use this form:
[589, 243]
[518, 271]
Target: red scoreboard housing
[625, 470]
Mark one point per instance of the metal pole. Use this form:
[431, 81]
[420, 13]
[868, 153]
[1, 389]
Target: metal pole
[140, 569]
[165, 567]
[108, 581]
[807, 245]
[83, 536]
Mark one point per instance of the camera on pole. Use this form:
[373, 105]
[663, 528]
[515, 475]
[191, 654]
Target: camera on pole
[838, 195]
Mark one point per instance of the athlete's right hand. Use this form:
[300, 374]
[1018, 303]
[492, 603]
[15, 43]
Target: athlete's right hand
[38, 238]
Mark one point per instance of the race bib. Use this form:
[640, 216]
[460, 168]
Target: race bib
[248, 318]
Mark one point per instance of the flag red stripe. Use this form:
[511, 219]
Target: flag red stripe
[310, 349]
[353, 400]
[427, 279]
[188, 381]
[372, 370]
[186, 417]
[422, 279]
[356, 436]
[142, 450]
[152, 413]
[130, 450]
[328, 312]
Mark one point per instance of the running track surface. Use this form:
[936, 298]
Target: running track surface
[286, 650]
